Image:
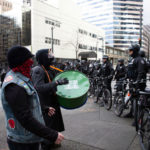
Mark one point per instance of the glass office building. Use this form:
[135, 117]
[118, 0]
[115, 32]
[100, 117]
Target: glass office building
[121, 19]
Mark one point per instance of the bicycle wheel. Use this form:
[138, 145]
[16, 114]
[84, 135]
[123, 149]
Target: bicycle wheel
[119, 105]
[106, 96]
[144, 133]
[98, 96]
[91, 88]
[115, 100]
[135, 113]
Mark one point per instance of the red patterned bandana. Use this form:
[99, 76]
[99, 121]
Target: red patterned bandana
[25, 68]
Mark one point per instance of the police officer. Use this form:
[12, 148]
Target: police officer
[84, 66]
[24, 121]
[142, 54]
[107, 71]
[120, 71]
[137, 67]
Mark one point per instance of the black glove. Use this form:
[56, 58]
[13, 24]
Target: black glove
[137, 84]
[62, 81]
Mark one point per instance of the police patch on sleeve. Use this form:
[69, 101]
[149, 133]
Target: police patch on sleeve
[8, 78]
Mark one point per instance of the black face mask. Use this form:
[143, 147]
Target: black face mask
[44, 59]
[52, 60]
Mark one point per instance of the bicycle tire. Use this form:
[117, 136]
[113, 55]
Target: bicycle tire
[119, 106]
[107, 99]
[144, 130]
[135, 114]
[114, 100]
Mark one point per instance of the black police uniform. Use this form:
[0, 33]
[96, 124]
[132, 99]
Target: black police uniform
[137, 67]
[107, 72]
[120, 75]
[120, 72]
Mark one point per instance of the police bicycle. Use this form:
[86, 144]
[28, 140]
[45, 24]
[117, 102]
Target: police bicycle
[93, 86]
[124, 104]
[119, 94]
[104, 95]
[142, 117]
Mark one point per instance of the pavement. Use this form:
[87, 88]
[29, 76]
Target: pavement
[97, 127]
[91, 128]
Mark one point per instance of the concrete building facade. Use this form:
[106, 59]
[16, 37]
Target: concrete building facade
[146, 40]
[39, 24]
[71, 35]
[5, 6]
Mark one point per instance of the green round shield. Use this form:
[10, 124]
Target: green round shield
[73, 94]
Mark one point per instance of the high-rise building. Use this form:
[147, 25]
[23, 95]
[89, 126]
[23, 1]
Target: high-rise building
[121, 19]
[146, 40]
[15, 28]
[5, 6]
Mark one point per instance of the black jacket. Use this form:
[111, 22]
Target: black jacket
[120, 72]
[137, 68]
[48, 97]
[107, 70]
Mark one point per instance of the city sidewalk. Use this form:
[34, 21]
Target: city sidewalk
[91, 128]
[99, 128]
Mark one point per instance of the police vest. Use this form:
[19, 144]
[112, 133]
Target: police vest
[132, 70]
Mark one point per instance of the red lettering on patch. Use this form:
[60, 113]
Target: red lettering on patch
[7, 79]
[11, 123]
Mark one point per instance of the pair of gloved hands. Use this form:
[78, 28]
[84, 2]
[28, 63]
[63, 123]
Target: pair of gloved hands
[62, 81]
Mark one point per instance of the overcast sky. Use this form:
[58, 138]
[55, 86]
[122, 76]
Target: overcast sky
[146, 12]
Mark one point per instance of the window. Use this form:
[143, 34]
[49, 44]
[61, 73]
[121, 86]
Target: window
[111, 51]
[48, 40]
[134, 14]
[123, 4]
[115, 52]
[52, 22]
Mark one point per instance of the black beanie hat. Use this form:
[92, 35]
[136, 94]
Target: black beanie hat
[42, 58]
[41, 55]
[17, 55]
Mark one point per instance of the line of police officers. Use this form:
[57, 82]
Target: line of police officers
[136, 69]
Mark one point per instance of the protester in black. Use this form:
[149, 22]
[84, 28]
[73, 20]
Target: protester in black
[42, 78]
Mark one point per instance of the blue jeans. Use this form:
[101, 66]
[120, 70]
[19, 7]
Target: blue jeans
[20, 146]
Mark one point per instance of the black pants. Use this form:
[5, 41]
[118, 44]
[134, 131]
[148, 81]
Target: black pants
[19, 146]
[109, 87]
